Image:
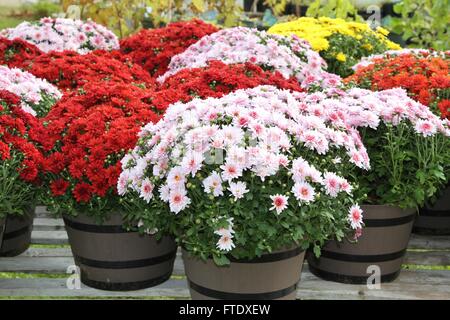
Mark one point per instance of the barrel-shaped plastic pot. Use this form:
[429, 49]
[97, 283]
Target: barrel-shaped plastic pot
[273, 276]
[434, 219]
[2, 228]
[17, 234]
[378, 252]
[112, 258]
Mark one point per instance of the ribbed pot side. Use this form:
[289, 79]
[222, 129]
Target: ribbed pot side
[383, 244]
[17, 234]
[112, 258]
[2, 228]
[273, 276]
[435, 219]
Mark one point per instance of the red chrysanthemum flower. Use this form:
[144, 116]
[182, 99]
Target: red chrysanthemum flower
[29, 170]
[59, 187]
[17, 53]
[69, 70]
[82, 192]
[216, 80]
[5, 152]
[15, 137]
[88, 132]
[425, 77]
[154, 48]
[444, 107]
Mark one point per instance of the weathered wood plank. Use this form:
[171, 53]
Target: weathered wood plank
[36, 264]
[56, 263]
[429, 258]
[41, 212]
[407, 277]
[56, 260]
[46, 252]
[417, 284]
[58, 288]
[410, 285]
[49, 237]
[429, 242]
[48, 224]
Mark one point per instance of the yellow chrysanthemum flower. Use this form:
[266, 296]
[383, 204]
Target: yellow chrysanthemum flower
[392, 45]
[330, 36]
[367, 46]
[341, 57]
[383, 31]
[319, 44]
[323, 27]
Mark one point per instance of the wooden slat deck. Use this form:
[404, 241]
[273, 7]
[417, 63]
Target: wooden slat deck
[40, 273]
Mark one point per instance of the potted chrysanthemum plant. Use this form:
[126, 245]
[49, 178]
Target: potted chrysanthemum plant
[424, 74]
[20, 161]
[341, 43]
[84, 137]
[245, 183]
[60, 34]
[406, 144]
[289, 55]
[24, 97]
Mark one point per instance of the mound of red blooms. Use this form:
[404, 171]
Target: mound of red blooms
[216, 80]
[425, 77]
[69, 70]
[444, 108]
[85, 136]
[154, 48]
[16, 53]
[16, 134]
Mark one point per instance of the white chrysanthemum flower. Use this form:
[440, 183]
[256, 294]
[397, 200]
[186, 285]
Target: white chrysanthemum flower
[238, 189]
[279, 203]
[303, 192]
[355, 216]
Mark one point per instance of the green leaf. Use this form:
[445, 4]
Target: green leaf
[285, 224]
[421, 176]
[419, 195]
[316, 251]
[439, 174]
[199, 5]
[221, 260]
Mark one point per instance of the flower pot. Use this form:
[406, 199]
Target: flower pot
[434, 220]
[112, 258]
[383, 243]
[272, 276]
[17, 234]
[2, 228]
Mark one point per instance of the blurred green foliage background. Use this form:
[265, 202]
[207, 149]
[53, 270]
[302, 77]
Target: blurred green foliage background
[415, 23]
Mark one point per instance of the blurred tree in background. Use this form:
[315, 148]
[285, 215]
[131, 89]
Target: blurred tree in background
[127, 16]
[421, 23]
[343, 9]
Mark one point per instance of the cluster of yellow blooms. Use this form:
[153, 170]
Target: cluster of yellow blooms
[316, 31]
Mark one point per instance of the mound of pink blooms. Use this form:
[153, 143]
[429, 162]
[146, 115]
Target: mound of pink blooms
[60, 34]
[37, 95]
[273, 117]
[364, 108]
[268, 148]
[290, 56]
